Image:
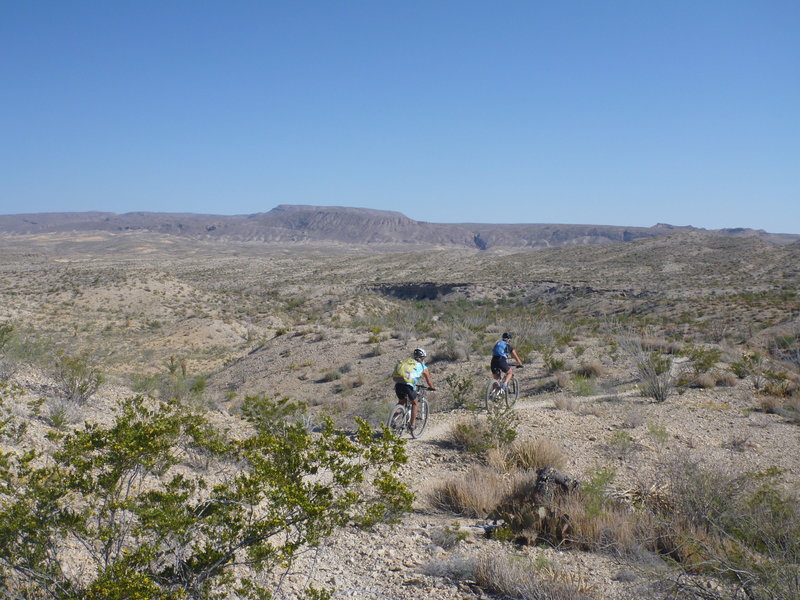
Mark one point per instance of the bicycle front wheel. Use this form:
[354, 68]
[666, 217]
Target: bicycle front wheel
[397, 420]
[512, 393]
[422, 418]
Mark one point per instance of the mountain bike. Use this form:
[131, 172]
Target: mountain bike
[497, 396]
[400, 417]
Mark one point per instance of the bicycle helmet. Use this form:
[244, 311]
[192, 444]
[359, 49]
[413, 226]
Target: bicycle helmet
[419, 353]
[506, 336]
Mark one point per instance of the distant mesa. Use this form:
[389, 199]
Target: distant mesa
[292, 224]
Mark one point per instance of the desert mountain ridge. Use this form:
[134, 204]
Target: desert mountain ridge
[359, 226]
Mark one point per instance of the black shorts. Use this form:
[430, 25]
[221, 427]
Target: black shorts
[499, 363]
[404, 390]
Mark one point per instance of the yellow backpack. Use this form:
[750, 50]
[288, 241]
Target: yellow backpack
[404, 371]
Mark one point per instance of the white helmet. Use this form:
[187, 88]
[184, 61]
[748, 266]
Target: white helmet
[419, 353]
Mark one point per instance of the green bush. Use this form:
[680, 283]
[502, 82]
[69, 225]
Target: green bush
[479, 434]
[152, 530]
[77, 376]
[6, 331]
[751, 364]
[654, 372]
[703, 359]
[462, 389]
[551, 362]
[583, 385]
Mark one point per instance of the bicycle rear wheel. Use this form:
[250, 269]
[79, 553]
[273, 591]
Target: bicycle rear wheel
[422, 418]
[513, 392]
[397, 420]
[491, 394]
[495, 395]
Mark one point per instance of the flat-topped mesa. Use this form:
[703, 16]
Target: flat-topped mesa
[356, 226]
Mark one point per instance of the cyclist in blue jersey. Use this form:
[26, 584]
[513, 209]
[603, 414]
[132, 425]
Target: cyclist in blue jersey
[500, 353]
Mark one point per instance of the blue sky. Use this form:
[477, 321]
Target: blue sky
[605, 112]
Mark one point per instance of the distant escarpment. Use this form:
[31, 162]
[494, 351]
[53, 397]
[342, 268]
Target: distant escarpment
[287, 224]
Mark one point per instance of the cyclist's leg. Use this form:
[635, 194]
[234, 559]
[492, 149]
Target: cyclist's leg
[496, 367]
[412, 396]
[503, 365]
[401, 391]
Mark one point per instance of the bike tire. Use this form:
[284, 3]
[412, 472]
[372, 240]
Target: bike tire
[397, 420]
[490, 394]
[513, 392]
[422, 418]
[494, 396]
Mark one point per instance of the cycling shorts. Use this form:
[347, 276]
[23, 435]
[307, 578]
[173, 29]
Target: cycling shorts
[499, 364]
[404, 390]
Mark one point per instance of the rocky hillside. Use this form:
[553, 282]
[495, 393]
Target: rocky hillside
[287, 224]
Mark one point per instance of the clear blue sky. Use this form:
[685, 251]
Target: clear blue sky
[596, 111]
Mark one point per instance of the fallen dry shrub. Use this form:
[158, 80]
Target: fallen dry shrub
[568, 515]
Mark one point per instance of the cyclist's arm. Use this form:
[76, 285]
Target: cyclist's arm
[427, 377]
[516, 357]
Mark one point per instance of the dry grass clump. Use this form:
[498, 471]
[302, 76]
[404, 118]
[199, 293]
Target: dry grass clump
[782, 385]
[479, 435]
[768, 404]
[533, 454]
[706, 381]
[789, 408]
[581, 521]
[726, 379]
[564, 402]
[519, 577]
[742, 529]
[654, 344]
[712, 379]
[475, 494]
[653, 367]
[593, 368]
